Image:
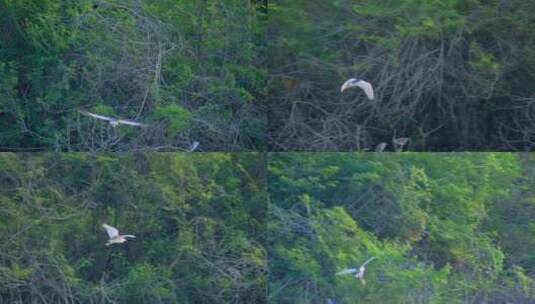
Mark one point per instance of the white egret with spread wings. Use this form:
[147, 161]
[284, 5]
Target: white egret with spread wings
[114, 122]
[115, 237]
[359, 272]
[364, 85]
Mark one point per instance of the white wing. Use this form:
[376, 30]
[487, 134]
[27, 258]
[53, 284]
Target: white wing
[129, 122]
[129, 236]
[112, 231]
[194, 146]
[95, 115]
[369, 260]
[347, 271]
[367, 87]
[347, 84]
[364, 85]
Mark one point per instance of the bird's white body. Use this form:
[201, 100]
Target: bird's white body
[115, 237]
[114, 122]
[359, 272]
[364, 85]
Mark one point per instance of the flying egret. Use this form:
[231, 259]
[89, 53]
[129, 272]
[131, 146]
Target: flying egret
[359, 272]
[115, 237]
[114, 122]
[364, 85]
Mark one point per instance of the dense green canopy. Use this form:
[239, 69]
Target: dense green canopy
[444, 228]
[199, 222]
[449, 74]
[191, 70]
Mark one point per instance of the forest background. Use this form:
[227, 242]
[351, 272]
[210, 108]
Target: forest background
[444, 228]
[451, 75]
[190, 70]
[199, 222]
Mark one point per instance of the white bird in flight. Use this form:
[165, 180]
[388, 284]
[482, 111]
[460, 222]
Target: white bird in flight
[114, 122]
[359, 272]
[364, 85]
[115, 237]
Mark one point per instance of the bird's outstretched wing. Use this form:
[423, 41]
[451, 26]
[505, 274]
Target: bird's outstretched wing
[364, 85]
[112, 231]
[94, 115]
[347, 271]
[129, 122]
[129, 236]
[193, 146]
[367, 87]
[349, 83]
[369, 260]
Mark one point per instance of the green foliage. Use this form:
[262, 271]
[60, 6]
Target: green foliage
[198, 219]
[450, 75]
[138, 59]
[178, 117]
[448, 228]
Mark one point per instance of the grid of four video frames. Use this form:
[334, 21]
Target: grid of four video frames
[235, 151]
